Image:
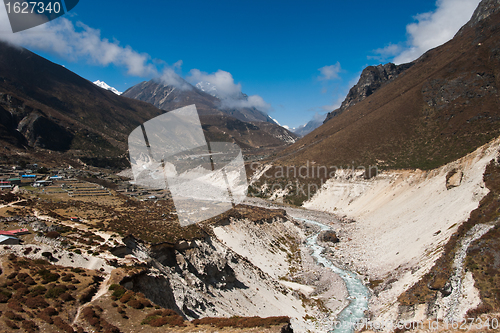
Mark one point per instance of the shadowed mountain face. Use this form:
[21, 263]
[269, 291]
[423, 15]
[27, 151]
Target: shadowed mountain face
[44, 105]
[440, 109]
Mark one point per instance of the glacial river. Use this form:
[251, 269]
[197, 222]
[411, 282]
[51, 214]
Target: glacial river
[358, 293]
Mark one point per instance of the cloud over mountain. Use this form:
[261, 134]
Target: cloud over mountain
[431, 29]
[76, 42]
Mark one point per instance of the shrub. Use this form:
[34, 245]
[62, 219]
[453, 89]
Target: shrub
[29, 326]
[114, 286]
[36, 302]
[474, 313]
[41, 262]
[50, 311]
[38, 290]
[87, 294]
[5, 296]
[66, 297]
[136, 304]
[159, 318]
[67, 277]
[127, 297]
[15, 305]
[29, 281]
[11, 324]
[21, 292]
[88, 313]
[158, 322]
[18, 285]
[242, 321]
[61, 324]
[12, 275]
[47, 275]
[52, 235]
[94, 321]
[146, 303]
[22, 276]
[13, 316]
[119, 291]
[55, 292]
[45, 317]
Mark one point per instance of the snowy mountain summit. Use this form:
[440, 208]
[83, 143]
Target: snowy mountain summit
[208, 87]
[104, 85]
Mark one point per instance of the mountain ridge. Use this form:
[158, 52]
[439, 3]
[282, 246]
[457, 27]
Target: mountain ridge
[442, 108]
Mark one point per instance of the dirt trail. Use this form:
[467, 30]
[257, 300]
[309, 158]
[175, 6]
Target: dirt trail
[103, 288]
[10, 204]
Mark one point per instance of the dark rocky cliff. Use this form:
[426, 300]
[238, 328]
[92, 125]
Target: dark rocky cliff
[371, 79]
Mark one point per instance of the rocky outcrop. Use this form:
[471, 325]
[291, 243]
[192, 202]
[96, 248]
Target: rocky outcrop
[371, 79]
[42, 132]
[205, 278]
[31, 126]
[485, 9]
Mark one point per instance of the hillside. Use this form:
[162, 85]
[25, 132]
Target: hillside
[45, 106]
[443, 107]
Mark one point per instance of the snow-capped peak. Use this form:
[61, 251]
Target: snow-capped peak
[208, 87]
[104, 85]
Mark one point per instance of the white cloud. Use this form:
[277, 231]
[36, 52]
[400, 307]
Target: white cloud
[228, 91]
[222, 80]
[171, 78]
[254, 101]
[389, 51]
[76, 42]
[431, 29]
[330, 72]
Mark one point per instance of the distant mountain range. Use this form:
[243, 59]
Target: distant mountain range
[45, 107]
[307, 128]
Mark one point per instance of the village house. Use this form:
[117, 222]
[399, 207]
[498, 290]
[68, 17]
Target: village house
[9, 240]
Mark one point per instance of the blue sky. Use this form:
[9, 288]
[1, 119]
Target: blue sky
[297, 58]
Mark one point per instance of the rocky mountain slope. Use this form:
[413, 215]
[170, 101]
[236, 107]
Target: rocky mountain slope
[249, 128]
[371, 79]
[443, 107]
[168, 97]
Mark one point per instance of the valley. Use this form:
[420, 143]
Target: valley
[383, 219]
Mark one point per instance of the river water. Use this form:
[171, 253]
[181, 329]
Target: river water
[359, 294]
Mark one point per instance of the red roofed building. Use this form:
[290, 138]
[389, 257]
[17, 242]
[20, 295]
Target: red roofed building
[16, 232]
